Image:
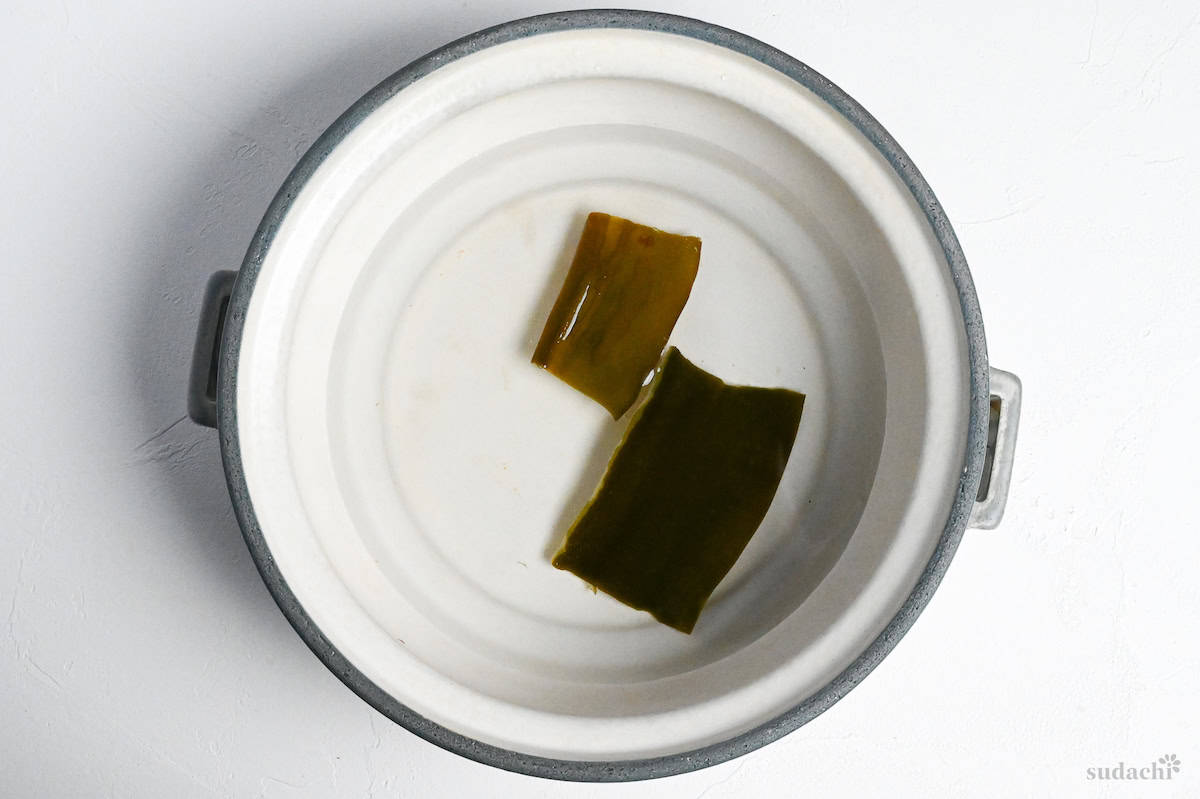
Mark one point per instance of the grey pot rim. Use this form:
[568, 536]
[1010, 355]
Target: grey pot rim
[617, 770]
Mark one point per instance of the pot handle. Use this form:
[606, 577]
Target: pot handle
[202, 385]
[998, 462]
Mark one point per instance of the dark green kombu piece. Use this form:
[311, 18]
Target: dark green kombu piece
[685, 490]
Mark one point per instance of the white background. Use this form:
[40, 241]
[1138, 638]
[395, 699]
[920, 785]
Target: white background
[140, 654]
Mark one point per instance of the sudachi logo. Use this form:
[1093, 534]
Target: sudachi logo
[1164, 768]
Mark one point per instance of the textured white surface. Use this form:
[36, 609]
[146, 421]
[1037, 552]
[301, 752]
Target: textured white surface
[140, 654]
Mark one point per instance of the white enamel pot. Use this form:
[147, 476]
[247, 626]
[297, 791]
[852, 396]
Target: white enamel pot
[402, 472]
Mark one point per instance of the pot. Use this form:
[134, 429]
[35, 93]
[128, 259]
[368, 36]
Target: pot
[401, 472]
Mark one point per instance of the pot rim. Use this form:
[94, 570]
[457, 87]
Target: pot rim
[790, 720]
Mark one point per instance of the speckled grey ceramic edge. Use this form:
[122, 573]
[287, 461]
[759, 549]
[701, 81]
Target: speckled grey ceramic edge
[625, 769]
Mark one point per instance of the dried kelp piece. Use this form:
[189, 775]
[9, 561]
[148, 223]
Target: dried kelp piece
[685, 490]
[624, 292]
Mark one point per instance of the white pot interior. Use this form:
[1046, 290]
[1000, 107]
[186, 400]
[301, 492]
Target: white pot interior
[412, 471]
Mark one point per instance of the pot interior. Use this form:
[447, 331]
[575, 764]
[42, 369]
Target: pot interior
[412, 472]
